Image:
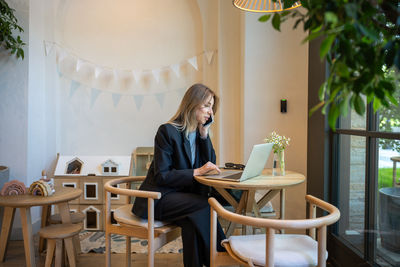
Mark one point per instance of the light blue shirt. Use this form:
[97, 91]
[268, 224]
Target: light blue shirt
[192, 141]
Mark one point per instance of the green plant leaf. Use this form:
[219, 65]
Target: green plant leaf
[342, 69]
[264, 18]
[321, 91]
[376, 104]
[325, 46]
[333, 114]
[359, 105]
[312, 36]
[276, 22]
[331, 17]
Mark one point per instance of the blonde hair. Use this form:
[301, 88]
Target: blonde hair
[185, 117]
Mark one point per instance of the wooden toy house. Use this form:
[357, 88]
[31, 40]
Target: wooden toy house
[90, 173]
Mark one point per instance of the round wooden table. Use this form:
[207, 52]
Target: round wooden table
[24, 203]
[247, 204]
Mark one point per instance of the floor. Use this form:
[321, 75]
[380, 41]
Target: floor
[15, 258]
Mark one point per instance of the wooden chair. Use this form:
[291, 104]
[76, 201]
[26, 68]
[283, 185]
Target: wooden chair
[270, 248]
[156, 232]
[56, 235]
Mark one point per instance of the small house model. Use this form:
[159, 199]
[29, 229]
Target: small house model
[90, 173]
[109, 167]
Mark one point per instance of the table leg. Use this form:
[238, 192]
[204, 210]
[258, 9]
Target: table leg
[26, 222]
[228, 197]
[238, 210]
[282, 212]
[46, 210]
[63, 208]
[8, 218]
[247, 230]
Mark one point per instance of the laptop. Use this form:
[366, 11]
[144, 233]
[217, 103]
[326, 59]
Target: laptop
[254, 167]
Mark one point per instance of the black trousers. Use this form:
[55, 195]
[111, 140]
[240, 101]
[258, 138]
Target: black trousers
[191, 212]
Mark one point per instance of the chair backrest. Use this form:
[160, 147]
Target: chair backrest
[271, 225]
[131, 225]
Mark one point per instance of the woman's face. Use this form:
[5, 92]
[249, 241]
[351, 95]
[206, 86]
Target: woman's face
[205, 110]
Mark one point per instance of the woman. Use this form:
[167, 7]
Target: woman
[183, 149]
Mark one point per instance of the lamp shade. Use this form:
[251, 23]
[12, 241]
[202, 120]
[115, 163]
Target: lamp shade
[263, 6]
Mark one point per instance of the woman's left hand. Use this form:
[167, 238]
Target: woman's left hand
[203, 130]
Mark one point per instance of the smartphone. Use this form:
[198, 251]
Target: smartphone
[209, 121]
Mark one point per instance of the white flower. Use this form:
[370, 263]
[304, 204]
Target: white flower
[280, 142]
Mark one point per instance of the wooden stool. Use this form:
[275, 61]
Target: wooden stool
[55, 234]
[76, 218]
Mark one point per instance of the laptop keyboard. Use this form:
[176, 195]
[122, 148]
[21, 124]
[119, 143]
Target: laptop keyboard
[235, 176]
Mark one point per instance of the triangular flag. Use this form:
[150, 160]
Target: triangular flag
[78, 64]
[138, 101]
[74, 86]
[181, 91]
[61, 54]
[209, 56]
[156, 74]
[137, 74]
[97, 72]
[48, 47]
[176, 68]
[193, 62]
[93, 96]
[160, 98]
[116, 98]
[116, 74]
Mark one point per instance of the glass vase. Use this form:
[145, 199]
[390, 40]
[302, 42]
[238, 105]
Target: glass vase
[278, 168]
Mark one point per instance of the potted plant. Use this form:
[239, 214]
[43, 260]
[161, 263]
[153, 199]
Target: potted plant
[361, 44]
[8, 25]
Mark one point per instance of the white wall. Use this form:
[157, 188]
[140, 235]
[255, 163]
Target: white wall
[231, 52]
[14, 100]
[122, 36]
[276, 67]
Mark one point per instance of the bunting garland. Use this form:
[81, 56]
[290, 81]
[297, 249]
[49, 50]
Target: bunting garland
[62, 53]
[107, 74]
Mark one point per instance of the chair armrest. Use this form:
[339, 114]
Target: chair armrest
[334, 213]
[109, 187]
[276, 223]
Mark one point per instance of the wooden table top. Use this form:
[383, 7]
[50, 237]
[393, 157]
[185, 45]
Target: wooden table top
[62, 194]
[395, 159]
[265, 181]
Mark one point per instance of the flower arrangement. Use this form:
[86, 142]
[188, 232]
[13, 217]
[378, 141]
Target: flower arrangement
[279, 145]
[280, 142]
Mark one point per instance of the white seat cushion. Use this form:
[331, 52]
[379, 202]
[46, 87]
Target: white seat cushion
[124, 215]
[289, 250]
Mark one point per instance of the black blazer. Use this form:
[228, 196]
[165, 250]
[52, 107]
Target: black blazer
[171, 169]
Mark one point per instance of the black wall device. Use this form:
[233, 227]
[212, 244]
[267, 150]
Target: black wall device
[283, 105]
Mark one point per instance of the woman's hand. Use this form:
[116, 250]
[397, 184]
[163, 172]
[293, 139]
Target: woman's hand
[206, 168]
[203, 130]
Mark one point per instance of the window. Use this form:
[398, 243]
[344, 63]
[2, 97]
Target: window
[90, 190]
[364, 178]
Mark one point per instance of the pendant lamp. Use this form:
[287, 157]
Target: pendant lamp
[263, 6]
